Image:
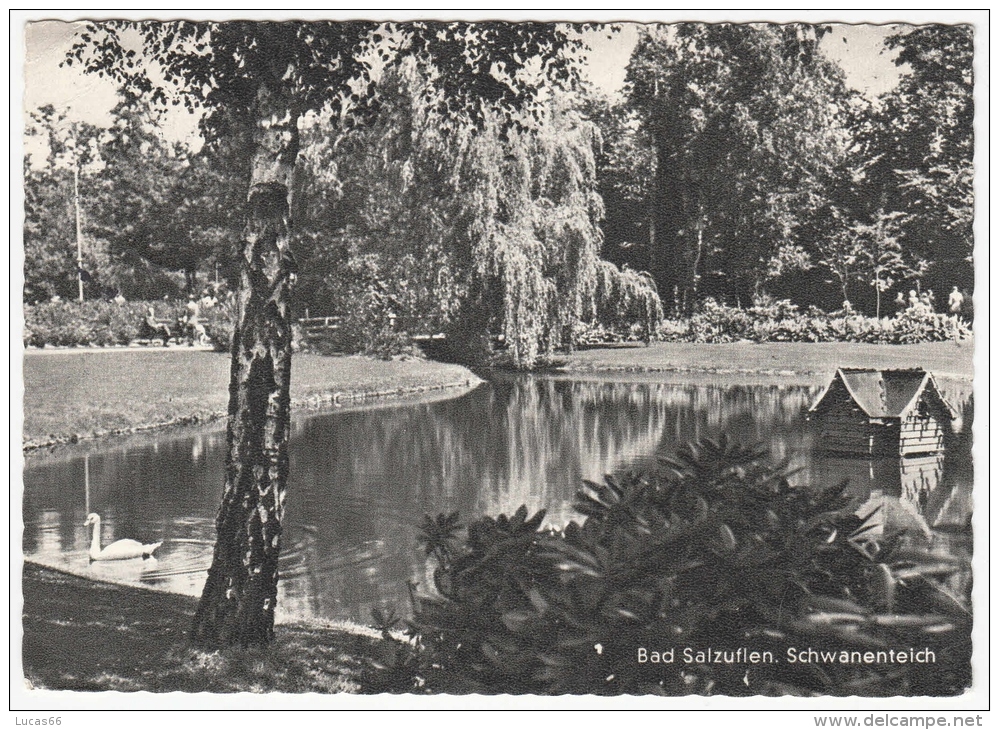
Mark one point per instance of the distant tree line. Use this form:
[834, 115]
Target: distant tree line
[147, 207]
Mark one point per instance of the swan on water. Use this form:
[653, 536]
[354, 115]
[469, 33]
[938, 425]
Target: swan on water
[119, 549]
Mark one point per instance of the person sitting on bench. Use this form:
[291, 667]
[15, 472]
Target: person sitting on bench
[154, 329]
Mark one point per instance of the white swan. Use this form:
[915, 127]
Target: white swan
[118, 550]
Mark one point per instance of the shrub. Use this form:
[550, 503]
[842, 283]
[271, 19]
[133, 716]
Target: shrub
[919, 323]
[218, 322]
[719, 323]
[601, 334]
[676, 330]
[780, 321]
[101, 323]
[122, 321]
[353, 338]
[718, 552]
[94, 323]
[368, 306]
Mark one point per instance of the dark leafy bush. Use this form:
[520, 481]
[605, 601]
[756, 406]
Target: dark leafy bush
[355, 336]
[379, 304]
[359, 335]
[717, 553]
[218, 323]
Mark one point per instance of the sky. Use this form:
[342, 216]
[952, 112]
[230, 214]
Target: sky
[856, 48]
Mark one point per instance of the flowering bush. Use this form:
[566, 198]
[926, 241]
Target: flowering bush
[218, 323]
[602, 334]
[719, 323]
[73, 324]
[781, 321]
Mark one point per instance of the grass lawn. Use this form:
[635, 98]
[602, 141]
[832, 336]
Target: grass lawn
[79, 394]
[820, 359]
[85, 635]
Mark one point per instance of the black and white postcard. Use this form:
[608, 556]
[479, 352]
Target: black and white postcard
[628, 360]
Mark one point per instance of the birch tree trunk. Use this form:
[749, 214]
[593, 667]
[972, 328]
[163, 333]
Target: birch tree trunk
[240, 595]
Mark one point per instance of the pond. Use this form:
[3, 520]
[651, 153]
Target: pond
[361, 480]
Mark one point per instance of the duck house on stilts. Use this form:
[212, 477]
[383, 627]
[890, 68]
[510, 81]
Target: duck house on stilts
[867, 412]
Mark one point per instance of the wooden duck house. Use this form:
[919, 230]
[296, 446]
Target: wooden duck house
[881, 413]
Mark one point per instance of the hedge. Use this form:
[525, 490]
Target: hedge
[781, 321]
[103, 324]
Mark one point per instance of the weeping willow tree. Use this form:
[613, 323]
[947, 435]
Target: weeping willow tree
[490, 233]
[623, 297]
[533, 212]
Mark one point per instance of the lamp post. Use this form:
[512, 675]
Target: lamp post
[79, 229]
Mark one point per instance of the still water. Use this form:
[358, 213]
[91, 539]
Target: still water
[361, 480]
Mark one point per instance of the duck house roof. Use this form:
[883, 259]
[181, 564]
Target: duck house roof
[884, 393]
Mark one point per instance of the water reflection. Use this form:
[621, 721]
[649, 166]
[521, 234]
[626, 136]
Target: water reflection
[362, 480]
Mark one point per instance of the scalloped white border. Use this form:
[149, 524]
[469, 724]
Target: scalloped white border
[777, 712]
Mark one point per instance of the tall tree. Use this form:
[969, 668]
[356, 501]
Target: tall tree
[254, 82]
[49, 235]
[154, 198]
[145, 205]
[869, 253]
[625, 170]
[59, 194]
[919, 140]
[744, 119]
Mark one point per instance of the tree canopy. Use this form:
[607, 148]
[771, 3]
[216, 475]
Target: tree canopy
[746, 122]
[919, 142]
[738, 160]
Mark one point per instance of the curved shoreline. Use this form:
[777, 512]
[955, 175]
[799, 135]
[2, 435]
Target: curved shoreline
[812, 360]
[73, 397]
[89, 635]
[318, 403]
[350, 627]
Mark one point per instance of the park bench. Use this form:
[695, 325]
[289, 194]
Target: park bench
[316, 330]
[148, 335]
[312, 326]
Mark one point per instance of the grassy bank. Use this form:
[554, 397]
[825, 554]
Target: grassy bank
[72, 395]
[85, 635]
[945, 359]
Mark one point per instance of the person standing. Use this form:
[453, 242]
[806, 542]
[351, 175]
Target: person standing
[955, 301]
[193, 327]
